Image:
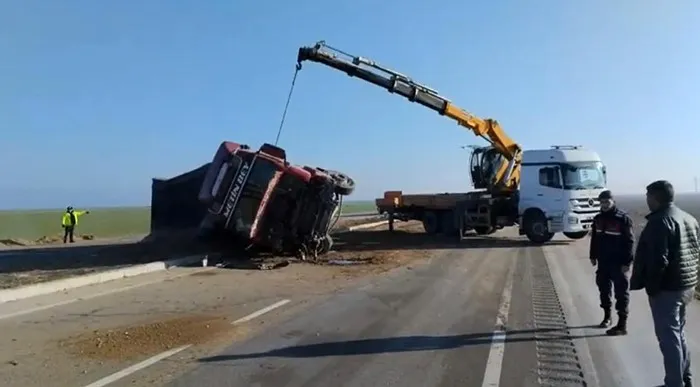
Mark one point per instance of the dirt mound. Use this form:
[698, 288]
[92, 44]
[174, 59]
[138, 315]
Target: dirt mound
[129, 342]
[15, 242]
[48, 239]
[44, 240]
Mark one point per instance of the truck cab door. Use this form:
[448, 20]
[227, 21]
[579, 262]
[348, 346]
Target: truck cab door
[542, 188]
[550, 194]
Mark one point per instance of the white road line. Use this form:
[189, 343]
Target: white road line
[261, 312]
[136, 367]
[494, 364]
[88, 297]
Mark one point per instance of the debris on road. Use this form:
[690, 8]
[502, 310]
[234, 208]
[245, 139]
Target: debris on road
[131, 342]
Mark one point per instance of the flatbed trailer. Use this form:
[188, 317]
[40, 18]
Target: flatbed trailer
[450, 213]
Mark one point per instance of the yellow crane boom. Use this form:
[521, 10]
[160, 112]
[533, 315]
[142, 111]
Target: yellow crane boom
[497, 167]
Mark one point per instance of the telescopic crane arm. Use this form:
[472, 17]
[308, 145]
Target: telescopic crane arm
[504, 176]
[395, 82]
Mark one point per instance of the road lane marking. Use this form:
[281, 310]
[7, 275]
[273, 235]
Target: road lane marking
[91, 296]
[261, 312]
[494, 363]
[136, 367]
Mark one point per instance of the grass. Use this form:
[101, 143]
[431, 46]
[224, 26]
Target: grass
[101, 222]
[357, 207]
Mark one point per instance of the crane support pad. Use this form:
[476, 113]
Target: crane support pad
[558, 363]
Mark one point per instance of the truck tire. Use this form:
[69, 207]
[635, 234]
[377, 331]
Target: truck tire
[485, 230]
[344, 184]
[447, 224]
[535, 224]
[431, 223]
[576, 235]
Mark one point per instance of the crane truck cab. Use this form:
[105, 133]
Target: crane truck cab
[559, 190]
[259, 199]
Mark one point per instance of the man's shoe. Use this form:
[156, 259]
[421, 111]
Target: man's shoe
[618, 330]
[606, 320]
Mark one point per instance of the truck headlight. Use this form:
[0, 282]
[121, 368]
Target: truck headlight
[572, 220]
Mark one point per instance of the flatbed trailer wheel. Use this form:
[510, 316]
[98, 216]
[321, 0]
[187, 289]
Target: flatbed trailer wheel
[447, 224]
[431, 223]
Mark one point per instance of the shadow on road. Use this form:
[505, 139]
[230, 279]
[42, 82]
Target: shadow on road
[92, 256]
[400, 239]
[405, 344]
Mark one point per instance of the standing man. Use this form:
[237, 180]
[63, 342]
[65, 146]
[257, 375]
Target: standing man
[612, 247]
[69, 221]
[666, 266]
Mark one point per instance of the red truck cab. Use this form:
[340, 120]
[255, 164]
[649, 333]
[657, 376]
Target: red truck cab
[258, 197]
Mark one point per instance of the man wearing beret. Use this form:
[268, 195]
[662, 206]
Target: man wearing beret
[612, 249]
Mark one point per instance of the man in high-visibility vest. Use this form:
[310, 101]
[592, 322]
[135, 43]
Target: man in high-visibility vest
[69, 221]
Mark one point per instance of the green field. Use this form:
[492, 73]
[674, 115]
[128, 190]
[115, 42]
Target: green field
[101, 222]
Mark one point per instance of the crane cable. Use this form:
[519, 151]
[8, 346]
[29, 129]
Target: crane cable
[279, 131]
[286, 106]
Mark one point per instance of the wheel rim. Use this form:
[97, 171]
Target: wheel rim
[343, 180]
[539, 228]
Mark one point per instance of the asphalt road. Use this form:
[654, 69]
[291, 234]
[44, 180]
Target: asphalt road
[501, 316]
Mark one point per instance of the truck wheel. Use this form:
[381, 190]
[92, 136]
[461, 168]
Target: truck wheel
[485, 230]
[536, 228]
[431, 223]
[447, 222]
[576, 235]
[344, 185]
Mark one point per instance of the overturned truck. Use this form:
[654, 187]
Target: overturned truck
[259, 200]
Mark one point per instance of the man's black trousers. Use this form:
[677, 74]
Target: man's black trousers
[68, 233]
[611, 277]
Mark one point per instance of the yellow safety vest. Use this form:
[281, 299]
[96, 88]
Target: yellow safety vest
[65, 221]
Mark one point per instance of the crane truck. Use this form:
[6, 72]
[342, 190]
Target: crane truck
[542, 191]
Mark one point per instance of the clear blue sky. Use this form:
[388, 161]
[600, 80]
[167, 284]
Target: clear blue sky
[97, 97]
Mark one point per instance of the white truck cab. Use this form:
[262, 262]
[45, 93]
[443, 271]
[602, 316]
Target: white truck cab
[559, 190]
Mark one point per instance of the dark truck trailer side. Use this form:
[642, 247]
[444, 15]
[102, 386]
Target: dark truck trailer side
[451, 213]
[175, 207]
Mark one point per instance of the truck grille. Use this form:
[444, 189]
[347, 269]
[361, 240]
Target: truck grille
[586, 205]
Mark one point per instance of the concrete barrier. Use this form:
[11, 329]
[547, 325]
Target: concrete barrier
[49, 287]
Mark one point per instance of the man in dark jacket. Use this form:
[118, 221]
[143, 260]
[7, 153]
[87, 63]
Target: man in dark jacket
[612, 247]
[666, 266]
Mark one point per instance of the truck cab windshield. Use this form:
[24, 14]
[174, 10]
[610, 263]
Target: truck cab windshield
[249, 203]
[584, 175]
